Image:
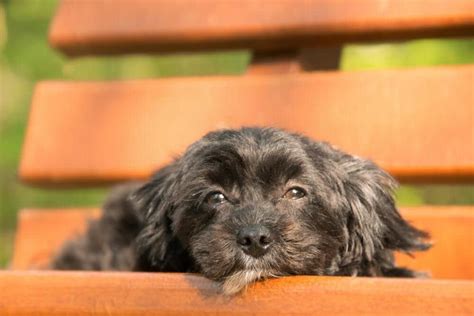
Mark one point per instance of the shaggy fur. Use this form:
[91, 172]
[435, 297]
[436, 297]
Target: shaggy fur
[316, 210]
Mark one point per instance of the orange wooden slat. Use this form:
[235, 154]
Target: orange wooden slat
[123, 26]
[417, 124]
[40, 233]
[452, 234]
[452, 230]
[89, 293]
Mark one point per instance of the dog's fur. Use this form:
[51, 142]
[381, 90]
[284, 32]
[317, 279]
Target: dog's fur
[346, 222]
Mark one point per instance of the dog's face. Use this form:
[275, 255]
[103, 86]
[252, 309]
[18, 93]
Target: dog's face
[256, 203]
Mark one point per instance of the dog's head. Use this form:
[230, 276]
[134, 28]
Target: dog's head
[241, 205]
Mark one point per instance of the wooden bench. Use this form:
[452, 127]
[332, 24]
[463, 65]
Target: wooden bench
[416, 123]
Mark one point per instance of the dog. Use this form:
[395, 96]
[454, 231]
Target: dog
[249, 204]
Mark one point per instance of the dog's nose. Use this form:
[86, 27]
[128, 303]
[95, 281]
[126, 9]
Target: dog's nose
[255, 240]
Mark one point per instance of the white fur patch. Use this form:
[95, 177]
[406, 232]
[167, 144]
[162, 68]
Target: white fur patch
[239, 281]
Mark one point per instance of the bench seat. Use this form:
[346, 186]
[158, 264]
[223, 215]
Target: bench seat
[126, 294]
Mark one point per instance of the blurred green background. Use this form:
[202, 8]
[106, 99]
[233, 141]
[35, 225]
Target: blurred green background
[25, 58]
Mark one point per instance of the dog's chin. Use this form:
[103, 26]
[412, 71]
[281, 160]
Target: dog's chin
[238, 281]
[253, 270]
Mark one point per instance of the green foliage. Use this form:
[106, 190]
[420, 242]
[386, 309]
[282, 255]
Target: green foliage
[417, 53]
[149, 66]
[26, 51]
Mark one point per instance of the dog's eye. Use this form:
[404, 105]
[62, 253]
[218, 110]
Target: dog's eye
[294, 193]
[216, 198]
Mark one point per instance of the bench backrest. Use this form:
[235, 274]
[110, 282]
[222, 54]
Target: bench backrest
[414, 123]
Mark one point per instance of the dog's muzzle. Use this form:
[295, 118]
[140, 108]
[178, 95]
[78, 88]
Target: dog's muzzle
[255, 240]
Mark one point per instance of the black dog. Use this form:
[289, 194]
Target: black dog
[242, 205]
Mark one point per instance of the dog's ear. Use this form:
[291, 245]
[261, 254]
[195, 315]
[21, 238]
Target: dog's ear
[157, 248]
[373, 221]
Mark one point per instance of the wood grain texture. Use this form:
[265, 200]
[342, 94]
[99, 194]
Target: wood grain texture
[417, 124]
[452, 234]
[451, 228]
[88, 293]
[124, 26]
[41, 233]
